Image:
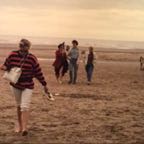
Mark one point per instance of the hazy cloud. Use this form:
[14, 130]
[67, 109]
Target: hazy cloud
[106, 19]
[76, 4]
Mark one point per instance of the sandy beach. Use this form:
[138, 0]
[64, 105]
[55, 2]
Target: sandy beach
[109, 111]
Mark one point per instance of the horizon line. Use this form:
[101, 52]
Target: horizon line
[80, 38]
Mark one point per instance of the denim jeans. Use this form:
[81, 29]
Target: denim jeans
[73, 67]
[89, 70]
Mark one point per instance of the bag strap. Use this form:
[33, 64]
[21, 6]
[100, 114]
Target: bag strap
[23, 59]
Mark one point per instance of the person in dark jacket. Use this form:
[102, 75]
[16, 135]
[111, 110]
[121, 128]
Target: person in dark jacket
[23, 89]
[89, 64]
[60, 64]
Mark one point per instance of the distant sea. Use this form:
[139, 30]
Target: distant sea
[82, 42]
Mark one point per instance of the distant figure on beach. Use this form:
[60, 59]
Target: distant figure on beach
[73, 62]
[89, 64]
[83, 56]
[23, 89]
[141, 63]
[67, 49]
[60, 64]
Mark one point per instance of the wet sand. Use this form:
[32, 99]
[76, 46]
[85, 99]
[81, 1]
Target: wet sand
[109, 111]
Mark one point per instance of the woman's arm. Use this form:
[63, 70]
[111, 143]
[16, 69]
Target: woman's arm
[6, 65]
[39, 76]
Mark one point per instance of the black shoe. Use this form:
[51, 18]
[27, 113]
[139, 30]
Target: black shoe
[69, 82]
[74, 83]
[25, 133]
[88, 83]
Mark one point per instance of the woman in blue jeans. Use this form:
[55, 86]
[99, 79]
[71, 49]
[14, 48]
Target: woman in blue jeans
[89, 64]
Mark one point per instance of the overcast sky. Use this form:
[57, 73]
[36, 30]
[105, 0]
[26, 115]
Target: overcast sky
[98, 19]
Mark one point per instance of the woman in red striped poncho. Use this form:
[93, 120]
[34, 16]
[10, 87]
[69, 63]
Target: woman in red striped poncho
[23, 89]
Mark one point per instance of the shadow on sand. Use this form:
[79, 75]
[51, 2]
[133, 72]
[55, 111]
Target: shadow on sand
[88, 96]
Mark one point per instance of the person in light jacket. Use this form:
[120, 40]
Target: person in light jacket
[73, 57]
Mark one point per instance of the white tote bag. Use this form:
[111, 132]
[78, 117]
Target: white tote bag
[13, 75]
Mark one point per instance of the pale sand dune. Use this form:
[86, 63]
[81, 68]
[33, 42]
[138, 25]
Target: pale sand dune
[110, 111]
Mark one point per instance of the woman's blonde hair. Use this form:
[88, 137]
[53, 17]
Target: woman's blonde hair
[25, 42]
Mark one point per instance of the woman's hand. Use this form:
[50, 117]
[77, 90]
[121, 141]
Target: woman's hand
[2, 67]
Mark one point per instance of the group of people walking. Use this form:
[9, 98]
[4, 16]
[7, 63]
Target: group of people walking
[67, 59]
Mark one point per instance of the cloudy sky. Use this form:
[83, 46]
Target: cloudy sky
[97, 19]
